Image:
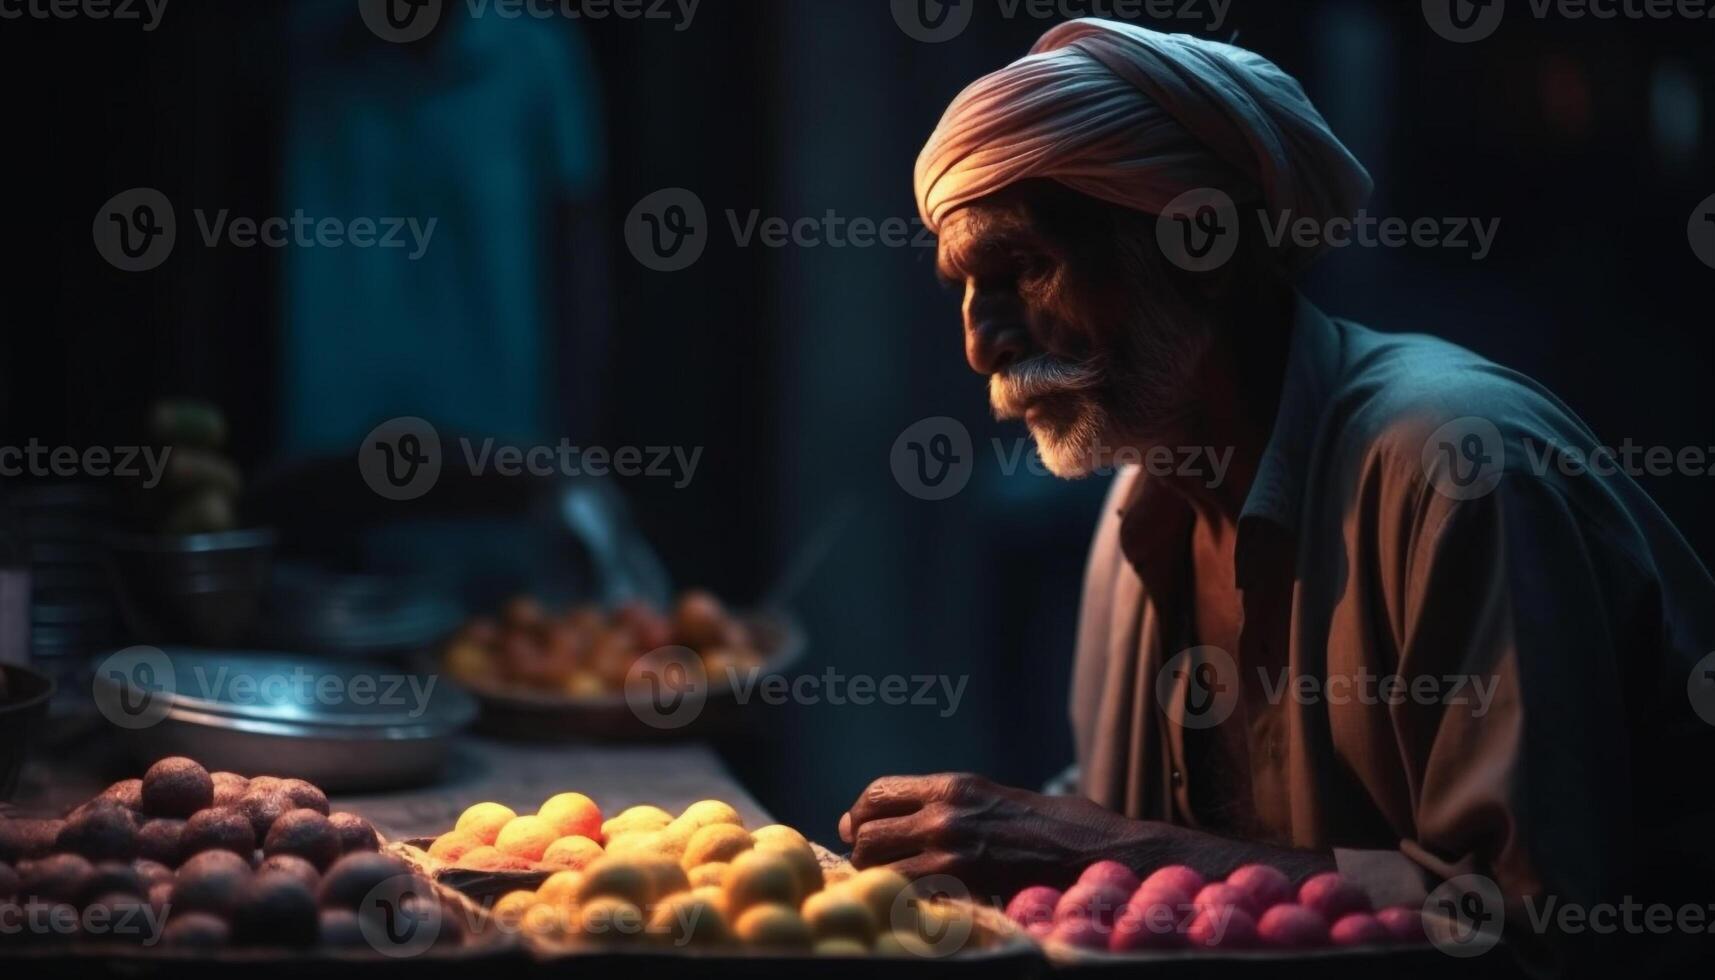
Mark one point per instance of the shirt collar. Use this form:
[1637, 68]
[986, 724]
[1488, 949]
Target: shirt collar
[1154, 519]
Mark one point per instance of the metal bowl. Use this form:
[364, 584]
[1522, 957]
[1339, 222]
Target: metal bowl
[23, 711]
[340, 724]
[192, 588]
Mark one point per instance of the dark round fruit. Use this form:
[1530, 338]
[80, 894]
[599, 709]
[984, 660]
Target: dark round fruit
[305, 833]
[103, 833]
[56, 878]
[161, 896]
[305, 795]
[8, 881]
[162, 840]
[229, 787]
[339, 929]
[113, 878]
[209, 882]
[196, 930]
[264, 784]
[127, 793]
[24, 839]
[262, 808]
[275, 909]
[293, 865]
[219, 829]
[355, 833]
[176, 787]
[355, 876]
[119, 917]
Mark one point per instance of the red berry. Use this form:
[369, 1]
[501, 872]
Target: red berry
[1176, 876]
[1403, 924]
[1032, 905]
[1332, 897]
[1146, 926]
[1229, 927]
[1221, 895]
[1292, 927]
[1267, 886]
[1082, 932]
[1359, 929]
[1099, 902]
[1110, 873]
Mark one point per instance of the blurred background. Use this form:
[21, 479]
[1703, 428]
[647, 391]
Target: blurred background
[528, 318]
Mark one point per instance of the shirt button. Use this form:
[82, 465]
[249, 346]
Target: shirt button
[1178, 778]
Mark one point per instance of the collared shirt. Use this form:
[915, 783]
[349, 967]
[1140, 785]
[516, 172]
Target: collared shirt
[1458, 653]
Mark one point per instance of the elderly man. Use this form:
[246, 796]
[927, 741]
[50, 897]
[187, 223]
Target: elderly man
[1403, 638]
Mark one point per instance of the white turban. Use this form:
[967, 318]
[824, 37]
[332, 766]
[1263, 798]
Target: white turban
[1137, 117]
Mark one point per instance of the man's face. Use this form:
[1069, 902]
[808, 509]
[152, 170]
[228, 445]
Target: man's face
[1069, 313]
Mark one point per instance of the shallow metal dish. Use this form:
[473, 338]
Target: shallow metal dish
[376, 729]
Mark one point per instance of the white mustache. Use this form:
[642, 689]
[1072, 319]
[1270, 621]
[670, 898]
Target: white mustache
[1011, 391]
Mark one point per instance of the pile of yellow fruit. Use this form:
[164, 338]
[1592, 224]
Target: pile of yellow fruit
[696, 880]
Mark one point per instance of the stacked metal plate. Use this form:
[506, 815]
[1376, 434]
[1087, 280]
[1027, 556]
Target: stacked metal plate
[340, 724]
[60, 531]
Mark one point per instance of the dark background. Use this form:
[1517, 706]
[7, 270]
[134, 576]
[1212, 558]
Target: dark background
[797, 368]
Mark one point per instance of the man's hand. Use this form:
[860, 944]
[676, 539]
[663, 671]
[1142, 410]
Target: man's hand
[998, 838]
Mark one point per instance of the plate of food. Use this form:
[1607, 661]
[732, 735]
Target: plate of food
[628, 671]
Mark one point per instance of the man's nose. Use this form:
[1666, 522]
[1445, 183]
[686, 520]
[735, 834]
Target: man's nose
[993, 342]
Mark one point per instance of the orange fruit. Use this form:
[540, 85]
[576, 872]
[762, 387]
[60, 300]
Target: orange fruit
[526, 837]
[572, 852]
[453, 845]
[572, 815]
[485, 820]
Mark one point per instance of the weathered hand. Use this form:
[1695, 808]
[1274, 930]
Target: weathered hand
[990, 837]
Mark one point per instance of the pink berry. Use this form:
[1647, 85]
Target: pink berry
[1176, 876]
[1099, 902]
[1359, 929]
[1332, 896]
[1082, 932]
[1222, 928]
[1032, 905]
[1221, 895]
[1110, 873]
[1292, 927]
[1267, 886]
[1147, 896]
[1403, 924]
[1146, 927]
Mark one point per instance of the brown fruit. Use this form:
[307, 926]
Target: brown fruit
[162, 840]
[217, 828]
[275, 909]
[305, 795]
[58, 877]
[339, 929]
[305, 833]
[294, 865]
[196, 930]
[113, 878]
[152, 872]
[355, 876]
[127, 793]
[23, 839]
[210, 882]
[262, 807]
[229, 787]
[176, 787]
[355, 833]
[105, 833]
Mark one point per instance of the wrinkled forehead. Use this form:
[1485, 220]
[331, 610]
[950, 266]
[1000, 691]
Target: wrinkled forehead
[982, 230]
